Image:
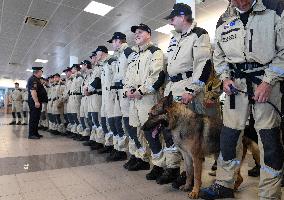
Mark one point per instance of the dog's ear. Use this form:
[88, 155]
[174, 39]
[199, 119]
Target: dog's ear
[170, 99]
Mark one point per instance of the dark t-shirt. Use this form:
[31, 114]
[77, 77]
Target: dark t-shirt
[35, 84]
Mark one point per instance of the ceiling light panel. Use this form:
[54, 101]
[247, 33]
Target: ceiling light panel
[98, 8]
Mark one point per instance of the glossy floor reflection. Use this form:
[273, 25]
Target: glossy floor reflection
[57, 168]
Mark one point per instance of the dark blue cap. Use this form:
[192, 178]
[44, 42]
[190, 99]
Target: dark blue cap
[102, 48]
[58, 75]
[117, 35]
[180, 9]
[141, 26]
[77, 66]
[67, 69]
[86, 62]
[37, 68]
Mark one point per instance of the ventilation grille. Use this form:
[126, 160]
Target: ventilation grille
[35, 22]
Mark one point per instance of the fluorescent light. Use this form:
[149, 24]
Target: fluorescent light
[63, 74]
[110, 52]
[29, 70]
[165, 29]
[41, 60]
[98, 8]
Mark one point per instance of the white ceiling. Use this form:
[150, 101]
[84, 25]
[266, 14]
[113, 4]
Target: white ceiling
[72, 32]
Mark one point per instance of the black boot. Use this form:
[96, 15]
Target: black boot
[254, 172]
[131, 161]
[155, 173]
[117, 156]
[89, 143]
[96, 146]
[19, 123]
[12, 123]
[105, 149]
[169, 175]
[84, 138]
[139, 165]
[78, 137]
[214, 166]
[216, 191]
[180, 180]
[111, 154]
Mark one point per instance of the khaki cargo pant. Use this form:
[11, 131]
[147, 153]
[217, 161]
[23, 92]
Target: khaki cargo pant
[267, 122]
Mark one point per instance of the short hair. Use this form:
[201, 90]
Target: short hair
[188, 18]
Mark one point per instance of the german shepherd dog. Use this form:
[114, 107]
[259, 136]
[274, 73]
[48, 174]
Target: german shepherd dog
[194, 134]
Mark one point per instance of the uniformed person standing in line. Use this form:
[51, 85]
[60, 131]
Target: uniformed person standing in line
[106, 135]
[189, 67]
[94, 91]
[121, 103]
[249, 56]
[51, 122]
[145, 75]
[75, 98]
[43, 123]
[25, 97]
[65, 98]
[37, 96]
[17, 104]
[84, 129]
[58, 105]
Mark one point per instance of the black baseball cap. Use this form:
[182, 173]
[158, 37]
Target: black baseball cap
[37, 68]
[117, 35]
[102, 48]
[86, 62]
[58, 75]
[93, 54]
[77, 66]
[141, 26]
[67, 69]
[180, 9]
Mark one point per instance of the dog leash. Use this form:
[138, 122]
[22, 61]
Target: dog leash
[235, 91]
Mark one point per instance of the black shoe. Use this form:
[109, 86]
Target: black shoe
[105, 149]
[24, 124]
[111, 155]
[180, 180]
[33, 137]
[169, 175]
[71, 135]
[131, 161]
[19, 123]
[39, 135]
[214, 166]
[77, 137]
[96, 146]
[89, 143]
[12, 123]
[216, 191]
[117, 156]
[139, 165]
[254, 172]
[84, 138]
[155, 173]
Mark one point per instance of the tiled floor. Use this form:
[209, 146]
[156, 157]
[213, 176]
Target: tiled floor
[57, 168]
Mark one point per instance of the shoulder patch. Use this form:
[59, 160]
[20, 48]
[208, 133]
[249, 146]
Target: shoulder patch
[276, 5]
[199, 31]
[111, 60]
[153, 49]
[128, 51]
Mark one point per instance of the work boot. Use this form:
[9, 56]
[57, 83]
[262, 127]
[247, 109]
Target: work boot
[254, 172]
[214, 166]
[180, 180]
[169, 175]
[155, 173]
[12, 123]
[96, 146]
[139, 165]
[131, 161]
[19, 123]
[216, 191]
[89, 143]
[118, 156]
[105, 149]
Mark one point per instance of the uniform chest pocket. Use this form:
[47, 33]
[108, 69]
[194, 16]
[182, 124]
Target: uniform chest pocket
[230, 35]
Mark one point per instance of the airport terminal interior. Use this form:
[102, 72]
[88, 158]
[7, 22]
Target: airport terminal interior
[54, 35]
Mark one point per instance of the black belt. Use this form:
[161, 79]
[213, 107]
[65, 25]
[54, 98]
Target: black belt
[251, 77]
[180, 76]
[76, 93]
[96, 92]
